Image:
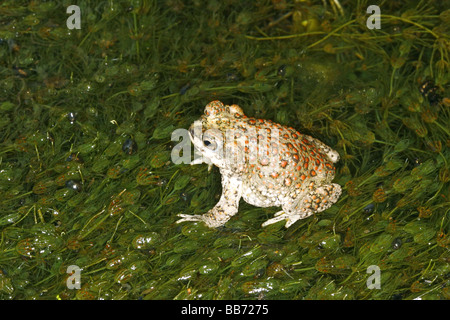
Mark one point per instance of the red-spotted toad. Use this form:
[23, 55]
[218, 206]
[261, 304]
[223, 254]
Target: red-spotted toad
[265, 163]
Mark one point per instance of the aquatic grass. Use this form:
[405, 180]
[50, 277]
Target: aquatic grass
[86, 178]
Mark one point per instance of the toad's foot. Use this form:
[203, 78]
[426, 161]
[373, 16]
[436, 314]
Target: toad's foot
[225, 208]
[208, 219]
[316, 200]
[190, 217]
[214, 218]
[280, 216]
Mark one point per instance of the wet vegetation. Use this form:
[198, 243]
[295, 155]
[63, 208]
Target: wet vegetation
[86, 176]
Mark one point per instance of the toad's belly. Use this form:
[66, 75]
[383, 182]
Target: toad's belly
[261, 197]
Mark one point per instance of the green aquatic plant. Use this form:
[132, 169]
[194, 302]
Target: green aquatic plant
[86, 178]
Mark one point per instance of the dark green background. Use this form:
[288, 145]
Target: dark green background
[86, 120]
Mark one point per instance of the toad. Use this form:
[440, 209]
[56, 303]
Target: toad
[264, 163]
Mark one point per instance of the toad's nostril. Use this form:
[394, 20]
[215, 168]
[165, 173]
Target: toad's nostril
[191, 131]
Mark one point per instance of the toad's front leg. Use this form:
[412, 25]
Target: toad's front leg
[226, 207]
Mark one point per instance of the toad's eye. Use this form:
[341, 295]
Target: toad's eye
[210, 144]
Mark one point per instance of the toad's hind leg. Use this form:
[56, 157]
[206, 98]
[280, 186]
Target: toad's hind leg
[317, 200]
